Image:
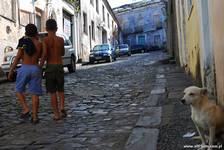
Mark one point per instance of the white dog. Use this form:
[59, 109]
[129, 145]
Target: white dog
[206, 115]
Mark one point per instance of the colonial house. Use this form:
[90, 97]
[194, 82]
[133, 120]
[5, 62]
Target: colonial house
[143, 23]
[97, 25]
[16, 14]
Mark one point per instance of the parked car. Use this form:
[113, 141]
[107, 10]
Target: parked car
[69, 59]
[137, 49]
[122, 50]
[102, 52]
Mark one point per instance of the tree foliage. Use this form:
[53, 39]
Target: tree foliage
[76, 4]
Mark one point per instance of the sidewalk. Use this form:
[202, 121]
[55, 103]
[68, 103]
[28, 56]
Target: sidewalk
[165, 120]
[176, 117]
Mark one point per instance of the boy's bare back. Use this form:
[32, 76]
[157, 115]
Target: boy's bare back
[54, 49]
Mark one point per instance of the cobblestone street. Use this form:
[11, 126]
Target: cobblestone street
[104, 102]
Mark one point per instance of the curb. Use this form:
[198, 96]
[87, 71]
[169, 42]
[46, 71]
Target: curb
[146, 132]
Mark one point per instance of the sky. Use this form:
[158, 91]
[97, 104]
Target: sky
[116, 3]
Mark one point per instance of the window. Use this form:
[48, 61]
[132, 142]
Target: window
[108, 20]
[141, 39]
[85, 26]
[25, 18]
[157, 40]
[91, 2]
[93, 29]
[103, 10]
[157, 21]
[8, 9]
[38, 22]
[97, 6]
[68, 25]
[112, 24]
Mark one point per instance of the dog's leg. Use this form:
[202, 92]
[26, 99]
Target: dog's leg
[201, 134]
[211, 137]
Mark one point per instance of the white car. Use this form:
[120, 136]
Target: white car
[69, 59]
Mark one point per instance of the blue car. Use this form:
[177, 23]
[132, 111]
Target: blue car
[123, 49]
[102, 52]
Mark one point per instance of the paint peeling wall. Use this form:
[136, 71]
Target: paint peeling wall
[193, 40]
[207, 53]
[218, 45]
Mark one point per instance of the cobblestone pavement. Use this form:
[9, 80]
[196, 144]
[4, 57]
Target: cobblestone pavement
[104, 102]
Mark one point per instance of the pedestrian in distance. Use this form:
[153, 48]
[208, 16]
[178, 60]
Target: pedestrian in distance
[29, 52]
[54, 73]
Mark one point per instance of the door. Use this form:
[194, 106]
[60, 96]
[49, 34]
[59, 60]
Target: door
[68, 25]
[104, 36]
[157, 40]
[141, 40]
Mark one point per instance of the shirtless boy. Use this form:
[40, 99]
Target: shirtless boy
[53, 52]
[29, 51]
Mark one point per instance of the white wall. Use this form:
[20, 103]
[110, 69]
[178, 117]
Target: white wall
[92, 15]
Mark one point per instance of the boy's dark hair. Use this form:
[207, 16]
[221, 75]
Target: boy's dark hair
[31, 30]
[51, 25]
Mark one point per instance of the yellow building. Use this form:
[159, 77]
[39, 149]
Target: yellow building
[195, 41]
[192, 38]
[217, 21]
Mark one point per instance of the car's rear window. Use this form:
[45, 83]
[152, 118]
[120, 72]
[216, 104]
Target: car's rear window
[101, 47]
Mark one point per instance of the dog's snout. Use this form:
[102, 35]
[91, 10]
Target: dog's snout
[183, 101]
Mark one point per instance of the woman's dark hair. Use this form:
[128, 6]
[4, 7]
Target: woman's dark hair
[51, 25]
[31, 30]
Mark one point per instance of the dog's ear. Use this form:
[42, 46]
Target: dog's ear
[204, 91]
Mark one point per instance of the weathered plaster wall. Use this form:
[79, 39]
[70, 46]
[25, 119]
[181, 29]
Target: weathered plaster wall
[193, 41]
[10, 32]
[218, 45]
[207, 54]
[181, 28]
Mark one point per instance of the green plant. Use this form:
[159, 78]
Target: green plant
[76, 4]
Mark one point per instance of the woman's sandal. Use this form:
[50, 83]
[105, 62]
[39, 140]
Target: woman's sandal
[25, 116]
[63, 113]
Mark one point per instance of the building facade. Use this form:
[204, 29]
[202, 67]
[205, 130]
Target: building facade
[200, 46]
[16, 14]
[143, 23]
[97, 25]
